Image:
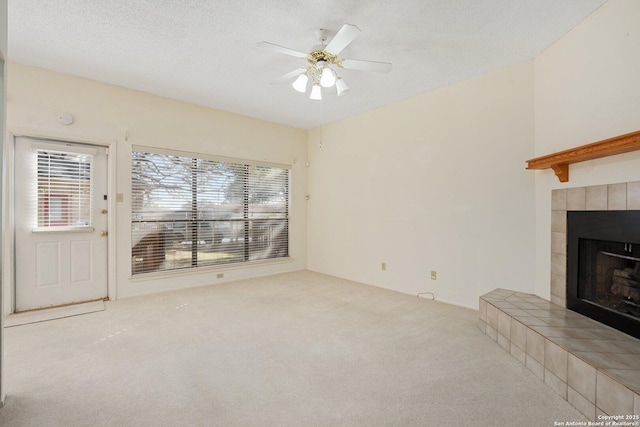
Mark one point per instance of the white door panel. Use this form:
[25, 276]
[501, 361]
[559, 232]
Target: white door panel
[47, 262]
[60, 194]
[81, 256]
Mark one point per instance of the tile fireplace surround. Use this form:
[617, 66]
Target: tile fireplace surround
[594, 367]
[612, 197]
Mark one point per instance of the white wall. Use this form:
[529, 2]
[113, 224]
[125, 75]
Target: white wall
[103, 112]
[587, 88]
[436, 182]
[3, 87]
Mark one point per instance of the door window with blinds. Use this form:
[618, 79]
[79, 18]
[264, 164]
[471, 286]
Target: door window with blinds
[64, 190]
[190, 212]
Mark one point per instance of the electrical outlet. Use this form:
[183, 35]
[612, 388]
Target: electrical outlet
[384, 266]
[433, 275]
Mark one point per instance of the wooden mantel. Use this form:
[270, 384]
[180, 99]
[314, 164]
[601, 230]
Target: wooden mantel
[561, 160]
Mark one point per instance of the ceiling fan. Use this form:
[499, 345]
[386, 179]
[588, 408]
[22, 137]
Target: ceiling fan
[320, 60]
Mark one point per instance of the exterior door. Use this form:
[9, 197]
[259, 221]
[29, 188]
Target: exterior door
[60, 223]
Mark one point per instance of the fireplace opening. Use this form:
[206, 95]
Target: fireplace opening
[603, 267]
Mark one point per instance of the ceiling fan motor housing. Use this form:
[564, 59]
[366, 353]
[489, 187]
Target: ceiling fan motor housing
[322, 55]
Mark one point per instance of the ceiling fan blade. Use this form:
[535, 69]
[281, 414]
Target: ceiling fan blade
[355, 64]
[342, 39]
[282, 49]
[288, 76]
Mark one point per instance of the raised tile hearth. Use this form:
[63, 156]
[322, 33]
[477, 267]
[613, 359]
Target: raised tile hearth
[594, 367]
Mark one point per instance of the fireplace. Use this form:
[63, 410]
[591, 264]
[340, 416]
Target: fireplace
[603, 267]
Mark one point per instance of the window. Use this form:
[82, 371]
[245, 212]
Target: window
[64, 189]
[191, 212]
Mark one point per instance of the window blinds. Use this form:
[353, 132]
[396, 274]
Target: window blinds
[189, 212]
[64, 189]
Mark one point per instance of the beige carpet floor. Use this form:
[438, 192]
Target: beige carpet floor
[299, 349]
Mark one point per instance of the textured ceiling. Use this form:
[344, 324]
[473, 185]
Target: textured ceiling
[205, 51]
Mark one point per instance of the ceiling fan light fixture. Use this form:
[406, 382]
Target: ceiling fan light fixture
[320, 60]
[328, 77]
[316, 93]
[341, 86]
[300, 84]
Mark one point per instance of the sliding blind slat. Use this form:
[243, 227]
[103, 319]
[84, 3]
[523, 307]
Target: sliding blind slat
[189, 212]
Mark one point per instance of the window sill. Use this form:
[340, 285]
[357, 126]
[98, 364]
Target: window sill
[208, 269]
[81, 229]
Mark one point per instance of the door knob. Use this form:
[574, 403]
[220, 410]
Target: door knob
[103, 211]
[103, 233]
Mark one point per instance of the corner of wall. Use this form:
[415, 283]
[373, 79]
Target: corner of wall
[3, 137]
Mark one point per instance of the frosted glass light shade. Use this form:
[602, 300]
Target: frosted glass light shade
[316, 92]
[300, 84]
[341, 86]
[328, 77]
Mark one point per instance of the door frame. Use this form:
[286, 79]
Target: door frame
[9, 242]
